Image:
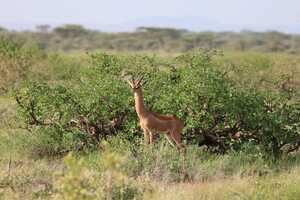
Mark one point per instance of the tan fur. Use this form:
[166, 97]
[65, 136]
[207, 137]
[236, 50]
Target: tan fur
[154, 123]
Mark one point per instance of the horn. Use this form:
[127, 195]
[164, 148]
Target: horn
[130, 80]
[140, 79]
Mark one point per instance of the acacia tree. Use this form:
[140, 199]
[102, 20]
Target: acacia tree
[44, 28]
[70, 30]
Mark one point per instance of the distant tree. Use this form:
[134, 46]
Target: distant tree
[275, 41]
[43, 35]
[171, 32]
[70, 30]
[2, 29]
[204, 39]
[43, 28]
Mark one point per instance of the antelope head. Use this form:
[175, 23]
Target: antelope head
[136, 83]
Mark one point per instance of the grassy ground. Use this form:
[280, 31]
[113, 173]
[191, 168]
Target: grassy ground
[159, 170]
[281, 186]
[124, 171]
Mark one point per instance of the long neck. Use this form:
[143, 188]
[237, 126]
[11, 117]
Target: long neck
[139, 103]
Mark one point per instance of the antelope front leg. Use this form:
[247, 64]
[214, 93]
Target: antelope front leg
[151, 134]
[146, 136]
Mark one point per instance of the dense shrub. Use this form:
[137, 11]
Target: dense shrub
[218, 113]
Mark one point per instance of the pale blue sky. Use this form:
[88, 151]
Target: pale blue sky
[282, 15]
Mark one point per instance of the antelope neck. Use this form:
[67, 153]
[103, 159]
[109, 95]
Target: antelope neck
[139, 102]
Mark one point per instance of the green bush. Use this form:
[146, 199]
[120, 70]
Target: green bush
[217, 112]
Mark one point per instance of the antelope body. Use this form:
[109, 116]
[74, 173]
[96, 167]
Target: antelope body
[153, 123]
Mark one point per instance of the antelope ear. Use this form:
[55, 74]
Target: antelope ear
[130, 83]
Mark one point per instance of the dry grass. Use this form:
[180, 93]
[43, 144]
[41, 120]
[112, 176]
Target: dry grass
[23, 178]
[282, 186]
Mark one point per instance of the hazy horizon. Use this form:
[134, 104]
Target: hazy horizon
[232, 15]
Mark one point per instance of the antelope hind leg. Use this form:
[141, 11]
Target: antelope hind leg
[170, 139]
[176, 136]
